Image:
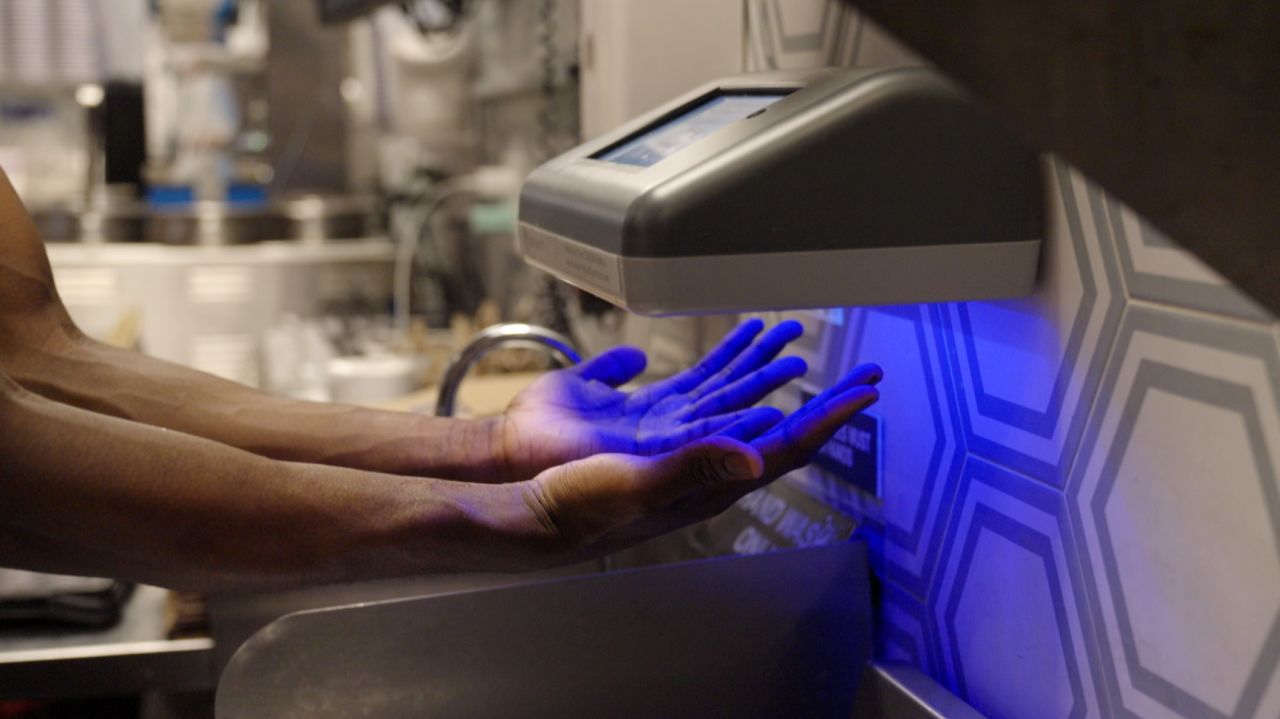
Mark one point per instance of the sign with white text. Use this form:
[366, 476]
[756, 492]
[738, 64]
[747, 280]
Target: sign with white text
[853, 454]
[778, 516]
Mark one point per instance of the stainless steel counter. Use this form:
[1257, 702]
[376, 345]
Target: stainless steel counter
[783, 634]
[131, 658]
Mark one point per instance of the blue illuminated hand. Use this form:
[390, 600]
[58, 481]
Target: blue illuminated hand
[791, 443]
[607, 502]
[580, 411]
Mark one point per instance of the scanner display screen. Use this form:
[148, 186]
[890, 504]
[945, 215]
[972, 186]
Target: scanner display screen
[665, 139]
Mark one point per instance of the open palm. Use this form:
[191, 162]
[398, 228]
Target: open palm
[580, 411]
[608, 502]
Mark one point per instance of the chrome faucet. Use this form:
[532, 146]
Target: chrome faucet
[510, 334]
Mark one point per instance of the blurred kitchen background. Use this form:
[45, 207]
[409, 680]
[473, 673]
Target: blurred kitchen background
[327, 211]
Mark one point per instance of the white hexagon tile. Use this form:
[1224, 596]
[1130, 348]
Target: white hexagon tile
[785, 34]
[1156, 269]
[1177, 501]
[1027, 368]
[1006, 605]
[1079, 513]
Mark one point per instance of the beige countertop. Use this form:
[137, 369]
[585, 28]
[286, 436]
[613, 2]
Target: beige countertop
[479, 396]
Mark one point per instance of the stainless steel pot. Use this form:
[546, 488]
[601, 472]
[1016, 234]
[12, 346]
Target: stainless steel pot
[104, 220]
[214, 224]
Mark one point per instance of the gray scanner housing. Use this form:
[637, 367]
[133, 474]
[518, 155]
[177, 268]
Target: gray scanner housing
[859, 187]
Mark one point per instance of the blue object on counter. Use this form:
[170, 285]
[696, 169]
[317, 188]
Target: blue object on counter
[173, 197]
[170, 195]
[245, 194]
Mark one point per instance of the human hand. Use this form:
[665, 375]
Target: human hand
[578, 412]
[608, 502]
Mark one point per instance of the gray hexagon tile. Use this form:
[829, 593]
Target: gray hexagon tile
[789, 35]
[903, 631]
[1013, 640]
[1176, 501]
[874, 46]
[1157, 269]
[1027, 369]
[793, 34]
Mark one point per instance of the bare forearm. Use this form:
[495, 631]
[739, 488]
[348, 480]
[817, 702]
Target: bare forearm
[42, 349]
[90, 494]
[83, 373]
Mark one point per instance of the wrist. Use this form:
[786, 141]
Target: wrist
[471, 450]
[519, 455]
[469, 527]
[500, 459]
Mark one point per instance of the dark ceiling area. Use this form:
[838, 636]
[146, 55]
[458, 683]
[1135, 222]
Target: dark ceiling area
[1173, 106]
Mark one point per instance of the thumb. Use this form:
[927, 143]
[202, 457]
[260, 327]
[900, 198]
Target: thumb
[615, 367]
[701, 479]
[588, 498]
[710, 461]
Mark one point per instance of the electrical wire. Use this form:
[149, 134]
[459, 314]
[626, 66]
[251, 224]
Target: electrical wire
[407, 244]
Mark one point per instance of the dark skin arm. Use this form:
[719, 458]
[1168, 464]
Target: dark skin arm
[113, 464]
[568, 415]
[86, 493]
[41, 348]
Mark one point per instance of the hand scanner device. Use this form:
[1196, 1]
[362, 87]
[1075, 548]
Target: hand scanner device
[793, 190]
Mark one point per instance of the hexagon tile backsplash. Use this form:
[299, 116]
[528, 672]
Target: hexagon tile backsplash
[1080, 513]
[1080, 510]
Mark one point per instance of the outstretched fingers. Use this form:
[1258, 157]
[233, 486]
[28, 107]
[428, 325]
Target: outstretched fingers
[753, 423]
[748, 390]
[864, 375]
[761, 353]
[730, 347]
[793, 443]
[745, 424]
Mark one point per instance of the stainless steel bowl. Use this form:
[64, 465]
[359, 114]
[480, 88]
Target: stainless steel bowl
[302, 218]
[214, 224]
[104, 220]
